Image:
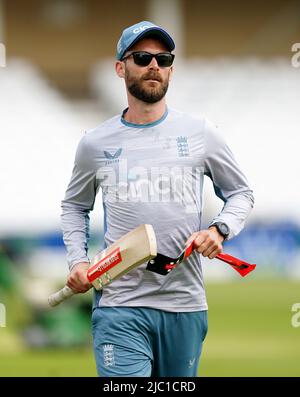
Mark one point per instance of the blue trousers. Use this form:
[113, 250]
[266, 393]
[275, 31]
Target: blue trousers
[140, 341]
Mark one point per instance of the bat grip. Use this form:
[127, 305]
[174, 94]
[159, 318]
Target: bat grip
[60, 296]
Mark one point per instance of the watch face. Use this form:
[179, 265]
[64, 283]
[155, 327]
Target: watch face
[223, 228]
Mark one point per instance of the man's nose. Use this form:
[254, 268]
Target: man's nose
[153, 64]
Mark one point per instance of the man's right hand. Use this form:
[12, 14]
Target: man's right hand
[77, 279]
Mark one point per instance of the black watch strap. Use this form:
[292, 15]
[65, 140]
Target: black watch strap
[222, 228]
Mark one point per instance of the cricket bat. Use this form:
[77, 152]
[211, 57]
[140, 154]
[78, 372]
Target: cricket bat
[131, 250]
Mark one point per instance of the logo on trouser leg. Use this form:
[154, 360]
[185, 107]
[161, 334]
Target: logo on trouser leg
[108, 355]
[192, 362]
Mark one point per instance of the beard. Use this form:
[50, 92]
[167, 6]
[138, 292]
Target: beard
[139, 90]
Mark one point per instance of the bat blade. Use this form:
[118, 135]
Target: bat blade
[135, 248]
[131, 250]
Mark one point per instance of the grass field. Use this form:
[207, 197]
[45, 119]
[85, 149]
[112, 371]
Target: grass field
[250, 334]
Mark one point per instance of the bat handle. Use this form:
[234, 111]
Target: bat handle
[60, 296]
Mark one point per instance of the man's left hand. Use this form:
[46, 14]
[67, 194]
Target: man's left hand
[207, 242]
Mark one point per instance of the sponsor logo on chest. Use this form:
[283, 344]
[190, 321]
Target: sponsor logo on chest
[112, 157]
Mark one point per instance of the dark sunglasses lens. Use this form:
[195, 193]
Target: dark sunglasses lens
[142, 58]
[164, 60]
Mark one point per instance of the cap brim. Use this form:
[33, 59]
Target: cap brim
[157, 32]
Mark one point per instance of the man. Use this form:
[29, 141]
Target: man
[149, 163]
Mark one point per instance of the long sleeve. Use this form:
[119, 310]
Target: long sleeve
[230, 184]
[78, 202]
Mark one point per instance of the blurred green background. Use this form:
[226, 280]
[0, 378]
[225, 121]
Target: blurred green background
[250, 334]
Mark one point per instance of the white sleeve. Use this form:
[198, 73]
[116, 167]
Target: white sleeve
[230, 184]
[78, 202]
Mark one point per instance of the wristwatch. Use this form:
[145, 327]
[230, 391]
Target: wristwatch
[222, 228]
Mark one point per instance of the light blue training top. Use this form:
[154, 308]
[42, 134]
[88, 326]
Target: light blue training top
[153, 174]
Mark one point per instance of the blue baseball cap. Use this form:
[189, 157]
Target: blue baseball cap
[134, 33]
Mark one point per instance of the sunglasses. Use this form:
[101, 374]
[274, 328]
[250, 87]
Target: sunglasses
[143, 58]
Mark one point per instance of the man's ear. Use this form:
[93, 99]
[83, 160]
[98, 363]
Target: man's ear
[171, 73]
[120, 69]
